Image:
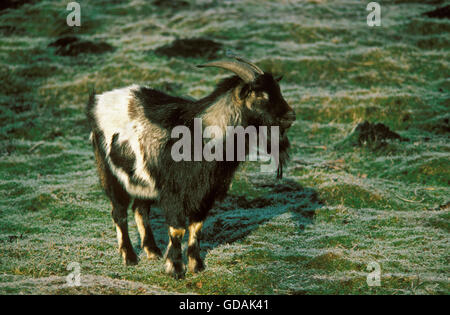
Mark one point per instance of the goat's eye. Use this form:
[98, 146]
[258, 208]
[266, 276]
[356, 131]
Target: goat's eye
[263, 95]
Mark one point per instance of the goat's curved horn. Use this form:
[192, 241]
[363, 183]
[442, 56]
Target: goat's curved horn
[255, 67]
[243, 70]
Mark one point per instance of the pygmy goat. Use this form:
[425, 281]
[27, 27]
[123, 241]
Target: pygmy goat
[131, 138]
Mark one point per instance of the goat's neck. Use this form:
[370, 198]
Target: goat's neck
[225, 111]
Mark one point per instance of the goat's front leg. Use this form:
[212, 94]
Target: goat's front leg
[174, 260]
[195, 263]
[119, 214]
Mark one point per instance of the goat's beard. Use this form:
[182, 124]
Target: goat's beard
[283, 157]
[284, 143]
[283, 153]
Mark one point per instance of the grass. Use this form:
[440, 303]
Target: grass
[340, 206]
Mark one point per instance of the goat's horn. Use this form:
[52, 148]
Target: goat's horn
[255, 67]
[243, 70]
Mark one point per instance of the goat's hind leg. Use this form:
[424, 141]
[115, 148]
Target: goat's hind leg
[141, 210]
[120, 201]
[119, 214]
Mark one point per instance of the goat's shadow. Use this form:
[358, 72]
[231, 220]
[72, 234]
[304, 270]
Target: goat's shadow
[237, 215]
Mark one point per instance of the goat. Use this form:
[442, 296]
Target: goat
[131, 138]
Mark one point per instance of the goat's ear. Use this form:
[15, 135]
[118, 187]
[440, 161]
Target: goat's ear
[243, 93]
[278, 79]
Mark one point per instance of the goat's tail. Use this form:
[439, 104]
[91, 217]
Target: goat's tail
[90, 108]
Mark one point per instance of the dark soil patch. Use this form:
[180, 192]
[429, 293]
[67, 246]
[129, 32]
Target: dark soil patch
[73, 46]
[191, 48]
[172, 4]
[439, 13]
[367, 133]
[13, 4]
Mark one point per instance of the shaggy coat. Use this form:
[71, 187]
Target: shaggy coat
[131, 137]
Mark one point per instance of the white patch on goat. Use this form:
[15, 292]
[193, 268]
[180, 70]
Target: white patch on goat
[111, 114]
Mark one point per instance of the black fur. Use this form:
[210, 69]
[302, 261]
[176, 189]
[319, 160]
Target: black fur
[162, 109]
[122, 155]
[277, 106]
[169, 111]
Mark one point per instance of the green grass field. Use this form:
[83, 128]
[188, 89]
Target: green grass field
[342, 204]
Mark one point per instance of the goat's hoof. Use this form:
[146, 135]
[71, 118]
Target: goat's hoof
[196, 265]
[131, 261]
[129, 258]
[175, 269]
